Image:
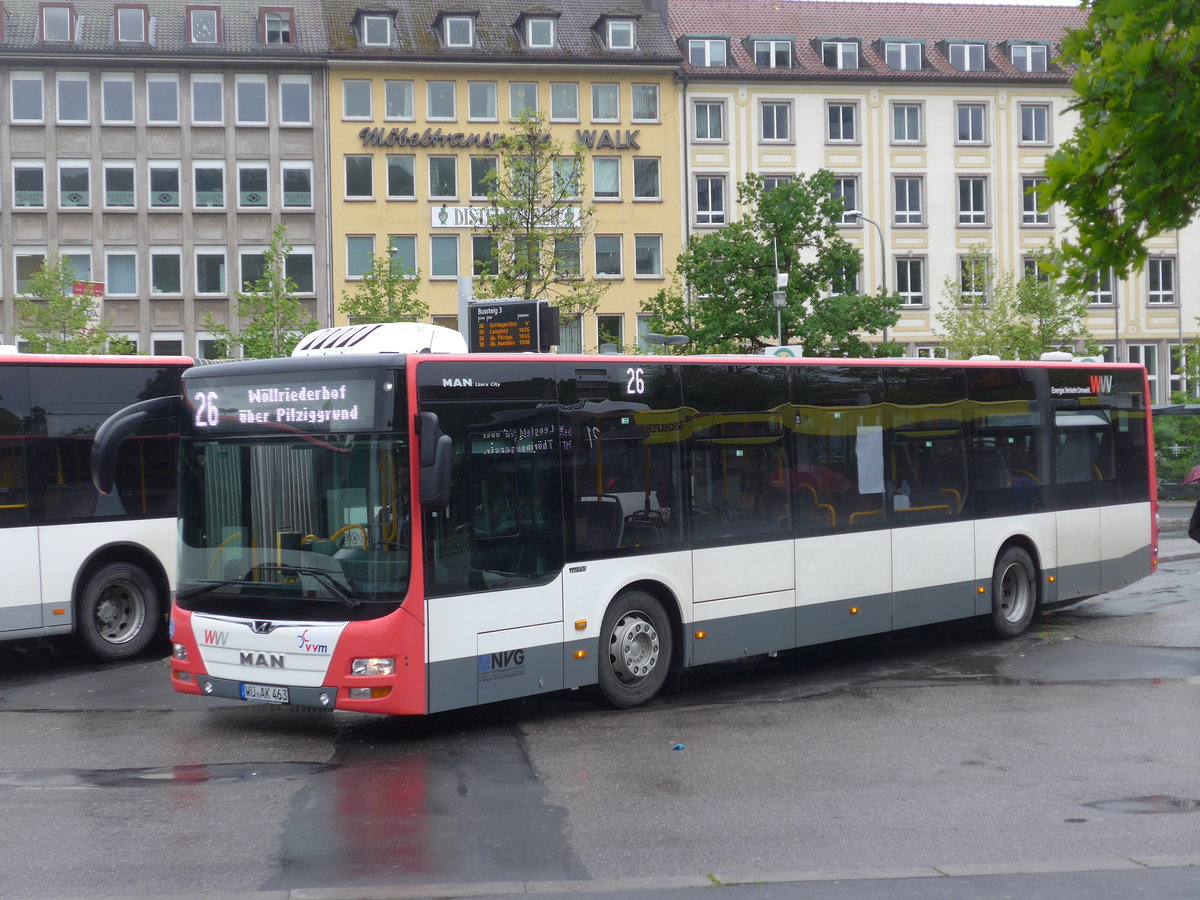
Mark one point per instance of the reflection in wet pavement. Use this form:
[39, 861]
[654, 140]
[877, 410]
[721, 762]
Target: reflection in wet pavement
[1145, 805]
[159, 776]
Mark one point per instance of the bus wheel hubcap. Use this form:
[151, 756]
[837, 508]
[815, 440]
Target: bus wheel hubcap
[1014, 593]
[116, 612]
[633, 647]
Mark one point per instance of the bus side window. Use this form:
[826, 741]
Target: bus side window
[14, 508]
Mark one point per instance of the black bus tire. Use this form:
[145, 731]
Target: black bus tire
[1014, 593]
[636, 646]
[118, 612]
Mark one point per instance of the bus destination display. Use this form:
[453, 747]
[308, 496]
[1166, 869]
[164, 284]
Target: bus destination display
[509, 326]
[320, 405]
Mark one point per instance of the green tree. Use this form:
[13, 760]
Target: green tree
[536, 221]
[274, 319]
[52, 318]
[1176, 442]
[1000, 315]
[387, 293]
[725, 303]
[1131, 170]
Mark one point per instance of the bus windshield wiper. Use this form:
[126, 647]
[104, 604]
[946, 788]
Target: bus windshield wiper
[207, 585]
[321, 576]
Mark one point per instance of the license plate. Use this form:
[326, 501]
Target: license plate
[265, 693]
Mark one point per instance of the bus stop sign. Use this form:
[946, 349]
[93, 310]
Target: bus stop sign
[512, 326]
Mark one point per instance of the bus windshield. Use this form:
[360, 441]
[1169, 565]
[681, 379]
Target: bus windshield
[295, 526]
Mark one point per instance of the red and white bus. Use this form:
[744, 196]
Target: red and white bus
[75, 560]
[412, 533]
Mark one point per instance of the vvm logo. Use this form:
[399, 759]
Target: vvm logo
[215, 638]
[1100, 384]
[310, 647]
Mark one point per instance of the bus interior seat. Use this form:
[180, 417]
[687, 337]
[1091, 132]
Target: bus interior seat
[599, 523]
[991, 469]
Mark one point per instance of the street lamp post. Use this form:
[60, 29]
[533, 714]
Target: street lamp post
[882, 254]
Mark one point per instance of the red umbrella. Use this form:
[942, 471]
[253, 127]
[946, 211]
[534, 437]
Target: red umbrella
[1192, 476]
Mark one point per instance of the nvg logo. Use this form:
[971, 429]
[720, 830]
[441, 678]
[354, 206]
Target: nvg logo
[505, 659]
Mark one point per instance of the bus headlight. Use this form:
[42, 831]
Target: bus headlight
[179, 652]
[384, 665]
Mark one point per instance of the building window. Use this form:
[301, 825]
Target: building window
[440, 97]
[1147, 355]
[116, 99]
[647, 183]
[251, 267]
[622, 34]
[120, 274]
[1031, 207]
[971, 121]
[401, 178]
[973, 275]
[606, 103]
[375, 31]
[162, 100]
[967, 57]
[443, 256]
[908, 201]
[164, 185]
[297, 185]
[356, 99]
[776, 121]
[209, 182]
[647, 255]
[610, 329]
[360, 253]
[770, 54]
[484, 262]
[608, 255]
[295, 100]
[204, 24]
[57, 22]
[458, 31]
[360, 177]
[564, 102]
[277, 26]
[25, 96]
[403, 250]
[165, 269]
[522, 98]
[1161, 271]
[710, 200]
[770, 182]
[842, 128]
[130, 24]
[74, 185]
[840, 54]
[78, 262]
[208, 100]
[443, 177]
[29, 185]
[1035, 123]
[210, 271]
[910, 280]
[845, 188]
[1032, 267]
[481, 101]
[1029, 57]
[906, 123]
[483, 169]
[398, 100]
[72, 94]
[565, 175]
[902, 57]
[972, 200]
[568, 260]
[26, 264]
[606, 176]
[710, 120]
[119, 186]
[252, 186]
[707, 52]
[250, 99]
[645, 102]
[539, 33]
[1101, 293]
[927, 351]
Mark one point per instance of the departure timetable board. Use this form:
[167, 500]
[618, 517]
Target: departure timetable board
[505, 326]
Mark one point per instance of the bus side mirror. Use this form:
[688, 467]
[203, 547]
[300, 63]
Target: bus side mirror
[119, 426]
[434, 449]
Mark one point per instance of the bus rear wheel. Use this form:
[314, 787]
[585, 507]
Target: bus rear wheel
[118, 612]
[1014, 593]
[635, 650]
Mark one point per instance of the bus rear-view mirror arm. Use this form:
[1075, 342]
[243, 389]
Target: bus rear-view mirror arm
[119, 426]
[435, 452]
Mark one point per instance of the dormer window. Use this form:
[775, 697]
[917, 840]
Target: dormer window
[458, 31]
[1029, 57]
[902, 56]
[967, 57]
[204, 25]
[539, 33]
[708, 52]
[840, 54]
[130, 24]
[375, 30]
[621, 34]
[57, 22]
[277, 26]
[773, 54]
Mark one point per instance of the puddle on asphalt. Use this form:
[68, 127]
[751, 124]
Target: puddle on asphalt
[215, 773]
[1159, 803]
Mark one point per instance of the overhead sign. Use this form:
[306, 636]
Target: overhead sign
[504, 326]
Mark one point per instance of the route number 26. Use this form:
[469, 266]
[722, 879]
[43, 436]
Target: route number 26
[636, 383]
[207, 412]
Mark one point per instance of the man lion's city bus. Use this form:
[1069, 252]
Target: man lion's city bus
[74, 560]
[412, 533]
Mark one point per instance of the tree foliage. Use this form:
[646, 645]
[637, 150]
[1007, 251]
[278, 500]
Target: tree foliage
[274, 318]
[537, 222]
[386, 293]
[725, 303]
[52, 318]
[1132, 168]
[1009, 317]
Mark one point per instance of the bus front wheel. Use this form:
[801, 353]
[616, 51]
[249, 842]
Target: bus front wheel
[1014, 593]
[635, 650]
[118, 612]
